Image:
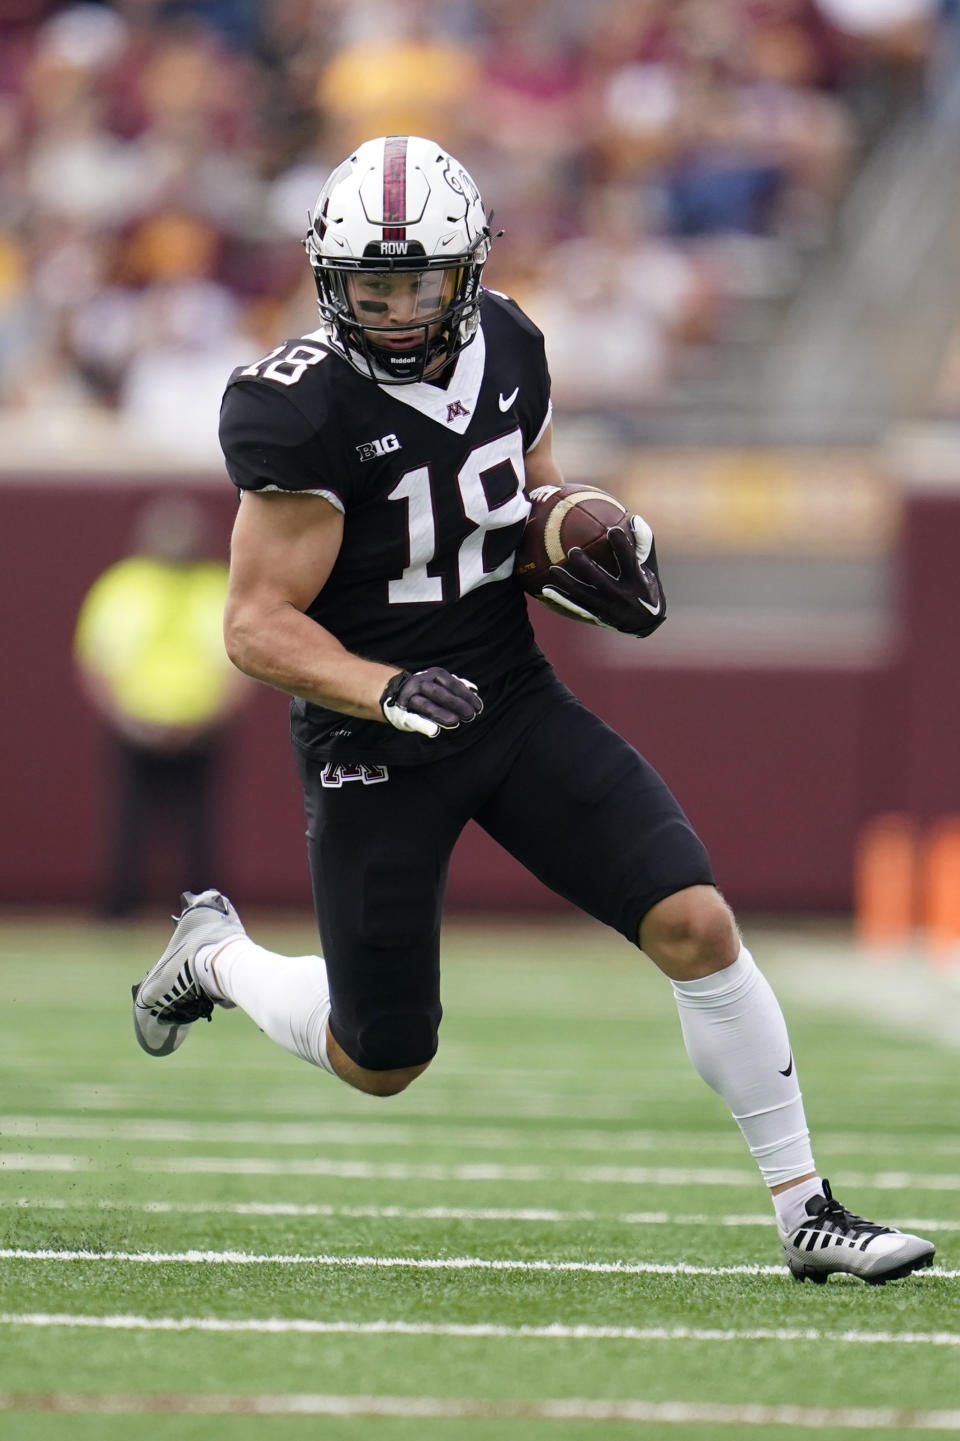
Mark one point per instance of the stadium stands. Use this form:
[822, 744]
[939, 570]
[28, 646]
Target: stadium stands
[666, 172]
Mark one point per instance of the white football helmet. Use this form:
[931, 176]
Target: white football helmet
[397, 244]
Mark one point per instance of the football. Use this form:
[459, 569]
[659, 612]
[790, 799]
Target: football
[564, 516]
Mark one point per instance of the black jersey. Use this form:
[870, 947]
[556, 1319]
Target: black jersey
[430, 481]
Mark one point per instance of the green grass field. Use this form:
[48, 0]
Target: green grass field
[557, 1232]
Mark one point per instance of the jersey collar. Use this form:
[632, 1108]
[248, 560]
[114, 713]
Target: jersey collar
[453, 408]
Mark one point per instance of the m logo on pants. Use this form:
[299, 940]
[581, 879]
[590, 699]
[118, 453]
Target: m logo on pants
[335, 773]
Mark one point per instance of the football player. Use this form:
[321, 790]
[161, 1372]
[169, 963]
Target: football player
[383, 463]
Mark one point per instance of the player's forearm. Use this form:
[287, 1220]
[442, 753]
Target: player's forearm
[286, 649]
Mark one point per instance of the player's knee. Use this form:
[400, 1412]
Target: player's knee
[690, 934]
[396, 1042]
[386, 1083]
[381, 1065]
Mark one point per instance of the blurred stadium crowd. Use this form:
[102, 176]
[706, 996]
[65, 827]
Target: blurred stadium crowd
[652, 162]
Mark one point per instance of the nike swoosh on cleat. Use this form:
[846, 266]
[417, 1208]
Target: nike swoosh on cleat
[506, 404]
[654, 610]
[789, 1069]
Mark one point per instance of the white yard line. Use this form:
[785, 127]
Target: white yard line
[387, 1170]
[568, 1105]
[33, 1161]
[191, 1257]
[286, 1325]
[531, 1214]
[176, 1130]
[492, 1171]
[173, 1130]
[429, 1408]
[471, 1172]
[564, 1103]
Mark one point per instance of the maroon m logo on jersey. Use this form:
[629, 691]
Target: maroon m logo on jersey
[454, 409]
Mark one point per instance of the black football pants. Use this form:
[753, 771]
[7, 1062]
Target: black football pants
[556, 787]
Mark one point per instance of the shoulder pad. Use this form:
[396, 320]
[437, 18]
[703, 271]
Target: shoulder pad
[495, 305]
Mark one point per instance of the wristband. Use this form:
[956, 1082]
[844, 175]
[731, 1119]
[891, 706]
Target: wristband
[392, 688]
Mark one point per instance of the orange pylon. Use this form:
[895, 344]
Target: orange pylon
[885, 887]
[940, 888]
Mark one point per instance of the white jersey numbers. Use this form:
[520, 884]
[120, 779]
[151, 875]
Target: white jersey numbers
[506, 449]
[290, 368]
[415, 585]
[415, 489]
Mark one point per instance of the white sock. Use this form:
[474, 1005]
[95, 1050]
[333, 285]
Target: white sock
[287, 996]
[791, 1205]
[737, 1039]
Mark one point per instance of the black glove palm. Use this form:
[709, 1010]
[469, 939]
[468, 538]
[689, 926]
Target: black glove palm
[631, 601]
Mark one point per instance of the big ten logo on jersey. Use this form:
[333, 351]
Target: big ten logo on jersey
[370, 449]
[336, 773]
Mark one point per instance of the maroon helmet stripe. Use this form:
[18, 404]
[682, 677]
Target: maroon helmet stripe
[395, 187]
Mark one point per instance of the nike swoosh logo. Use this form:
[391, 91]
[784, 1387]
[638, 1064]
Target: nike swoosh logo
[506, 404]
[655, 610]
[789, 1069]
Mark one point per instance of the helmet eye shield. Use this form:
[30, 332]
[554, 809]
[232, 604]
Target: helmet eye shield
[398, 324]
[393, 299]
